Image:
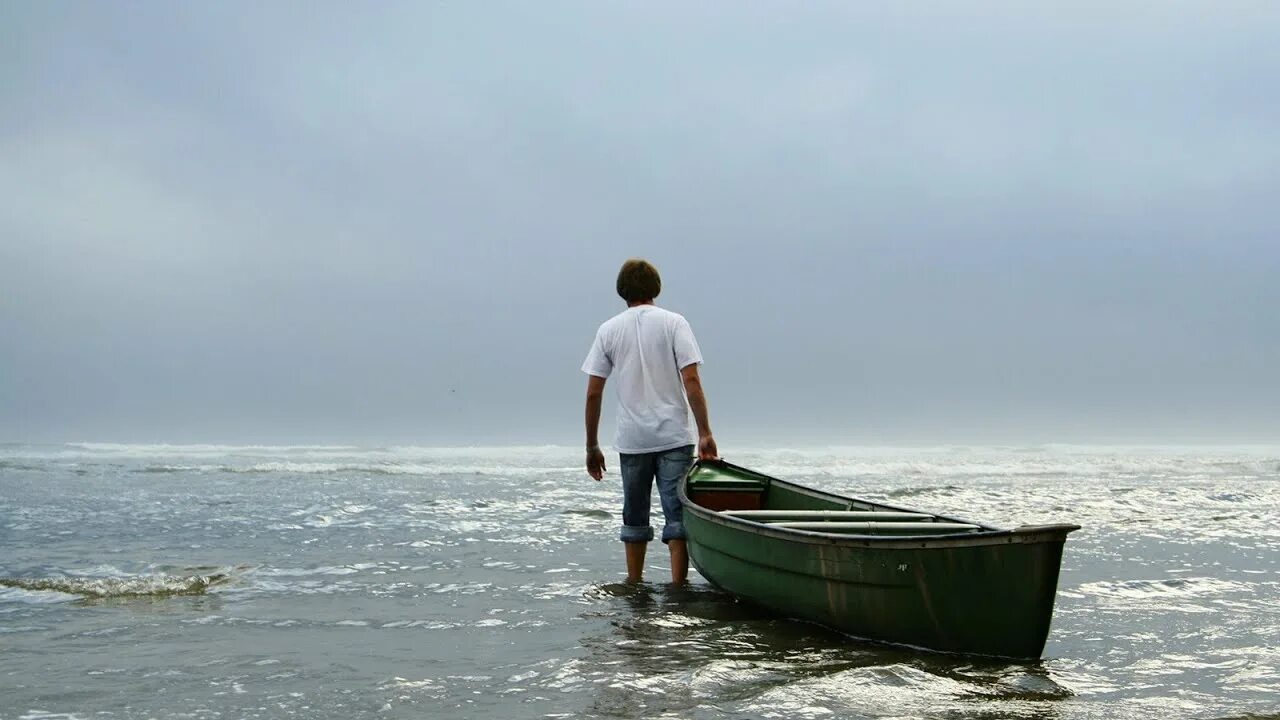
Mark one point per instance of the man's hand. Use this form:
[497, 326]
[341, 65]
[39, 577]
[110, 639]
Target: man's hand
[595, 463]
[707, 448]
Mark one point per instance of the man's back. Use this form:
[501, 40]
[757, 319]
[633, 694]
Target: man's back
[644, 348]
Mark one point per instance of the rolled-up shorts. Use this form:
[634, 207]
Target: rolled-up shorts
[638, 473]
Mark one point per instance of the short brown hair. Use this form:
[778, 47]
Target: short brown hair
[638, 281]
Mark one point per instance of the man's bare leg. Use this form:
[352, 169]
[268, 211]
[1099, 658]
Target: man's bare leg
[679, 561]
[635, 560]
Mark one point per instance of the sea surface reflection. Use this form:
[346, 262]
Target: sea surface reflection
[340, 582]
[696, 652]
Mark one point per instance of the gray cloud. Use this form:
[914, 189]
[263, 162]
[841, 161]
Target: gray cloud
[322, 221]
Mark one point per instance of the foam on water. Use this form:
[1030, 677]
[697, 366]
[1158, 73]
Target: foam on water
[337, 581]
[835, 461]
[116, 587]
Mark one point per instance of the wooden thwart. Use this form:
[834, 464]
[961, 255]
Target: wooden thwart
[771, 516]
[914, 528]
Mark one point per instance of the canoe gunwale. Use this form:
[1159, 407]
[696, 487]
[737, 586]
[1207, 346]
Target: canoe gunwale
[987, 535]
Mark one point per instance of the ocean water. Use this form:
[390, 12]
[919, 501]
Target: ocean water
[339, 582]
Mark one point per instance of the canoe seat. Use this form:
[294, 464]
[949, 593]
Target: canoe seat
[717, 488]
[724, 493]
[881, 528]
[773, 516]
[725, 499]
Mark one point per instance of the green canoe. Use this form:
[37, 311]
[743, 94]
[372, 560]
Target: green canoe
[872, 570]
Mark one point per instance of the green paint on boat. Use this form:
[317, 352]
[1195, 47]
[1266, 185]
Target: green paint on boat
[966, 587]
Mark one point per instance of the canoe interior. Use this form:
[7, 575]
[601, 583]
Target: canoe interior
[748, 495]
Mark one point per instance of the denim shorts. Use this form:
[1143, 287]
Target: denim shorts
[638, 473]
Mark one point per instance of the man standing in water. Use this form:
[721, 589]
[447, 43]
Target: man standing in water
[655, 358]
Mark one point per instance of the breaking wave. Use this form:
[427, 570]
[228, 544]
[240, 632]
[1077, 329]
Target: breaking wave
[942, 464]
[119, 587]
[388, 468]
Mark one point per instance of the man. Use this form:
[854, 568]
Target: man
[655, 358]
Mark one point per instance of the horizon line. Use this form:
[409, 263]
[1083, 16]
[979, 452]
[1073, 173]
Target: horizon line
[1136, 444]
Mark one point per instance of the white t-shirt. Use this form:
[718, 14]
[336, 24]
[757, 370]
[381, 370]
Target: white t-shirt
[644, 348]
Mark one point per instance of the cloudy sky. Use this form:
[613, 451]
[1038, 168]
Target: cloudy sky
[948, 222]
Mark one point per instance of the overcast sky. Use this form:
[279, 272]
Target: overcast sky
[384, 222]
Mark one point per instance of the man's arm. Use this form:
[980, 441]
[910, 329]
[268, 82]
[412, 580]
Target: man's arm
[698, 403]
[595, 398]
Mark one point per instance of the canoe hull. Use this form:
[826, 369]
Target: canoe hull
[990, 593]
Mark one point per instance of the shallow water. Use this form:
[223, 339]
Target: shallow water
[211, 581]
